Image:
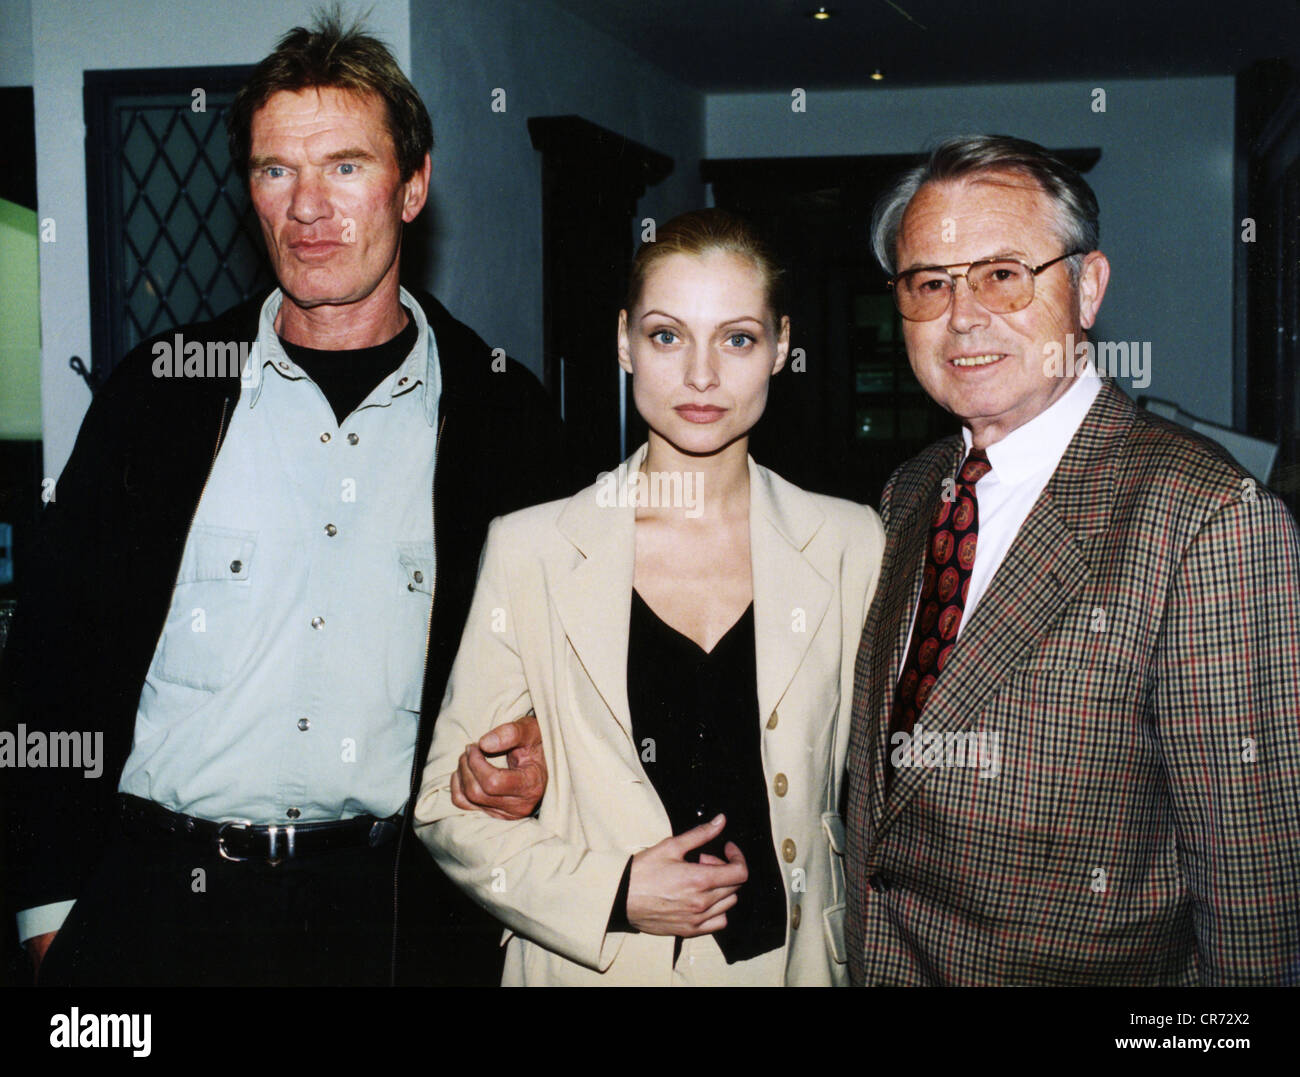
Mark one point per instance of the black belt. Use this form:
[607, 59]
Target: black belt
[238, 840]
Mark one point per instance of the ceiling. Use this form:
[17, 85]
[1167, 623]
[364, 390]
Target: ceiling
[720, 45]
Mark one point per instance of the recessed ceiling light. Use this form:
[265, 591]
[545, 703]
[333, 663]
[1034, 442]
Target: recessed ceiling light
[876, 76]
[821, 13]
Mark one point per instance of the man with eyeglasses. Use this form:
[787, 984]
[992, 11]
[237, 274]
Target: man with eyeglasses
[1074, 754]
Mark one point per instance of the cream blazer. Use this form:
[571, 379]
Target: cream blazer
[548, 630]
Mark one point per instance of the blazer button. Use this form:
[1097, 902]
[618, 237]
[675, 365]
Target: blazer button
[795, 913]
[780, 785]
[771, 722]
[788, 850]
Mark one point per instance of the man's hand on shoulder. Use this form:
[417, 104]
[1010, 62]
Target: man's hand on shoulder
[512, 792]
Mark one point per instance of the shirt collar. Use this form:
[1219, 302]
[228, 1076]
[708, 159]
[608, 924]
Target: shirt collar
[1039, 444]
[419, 369]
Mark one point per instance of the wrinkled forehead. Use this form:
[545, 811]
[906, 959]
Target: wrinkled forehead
[316, 110]
[981, 214]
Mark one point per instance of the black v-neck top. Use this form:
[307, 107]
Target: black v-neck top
[699, 712]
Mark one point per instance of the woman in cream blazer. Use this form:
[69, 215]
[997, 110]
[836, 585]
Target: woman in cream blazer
[548, 631]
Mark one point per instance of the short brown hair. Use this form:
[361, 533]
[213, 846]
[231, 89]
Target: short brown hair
[702, 231]
[332, 55]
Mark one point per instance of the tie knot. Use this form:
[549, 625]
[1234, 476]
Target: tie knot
[975, 468]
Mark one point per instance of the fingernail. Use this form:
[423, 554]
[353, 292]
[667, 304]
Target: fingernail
[716, 819]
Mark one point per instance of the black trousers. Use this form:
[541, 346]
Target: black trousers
[161, 911]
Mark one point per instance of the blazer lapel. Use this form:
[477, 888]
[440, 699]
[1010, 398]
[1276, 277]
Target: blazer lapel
[594, 601]
[903, 566]
[790, 596]
[1042, 572]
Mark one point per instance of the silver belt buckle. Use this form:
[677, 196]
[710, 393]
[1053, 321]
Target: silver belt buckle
[273, 832]
[221, 839]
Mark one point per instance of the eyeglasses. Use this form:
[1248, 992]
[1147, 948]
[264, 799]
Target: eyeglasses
[1000, 286]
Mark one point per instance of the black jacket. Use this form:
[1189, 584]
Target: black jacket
[99, 576]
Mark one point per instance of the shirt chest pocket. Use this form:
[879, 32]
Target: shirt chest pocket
[408, 629]
[210, 632]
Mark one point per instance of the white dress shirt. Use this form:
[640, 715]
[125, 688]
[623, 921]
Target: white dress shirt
[1022, 464]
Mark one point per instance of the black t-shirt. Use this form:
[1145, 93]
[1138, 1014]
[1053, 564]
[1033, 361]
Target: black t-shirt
[348, 377]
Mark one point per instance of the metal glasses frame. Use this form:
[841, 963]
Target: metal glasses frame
[1033, 274]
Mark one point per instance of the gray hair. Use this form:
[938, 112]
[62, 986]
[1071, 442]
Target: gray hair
[970, 155]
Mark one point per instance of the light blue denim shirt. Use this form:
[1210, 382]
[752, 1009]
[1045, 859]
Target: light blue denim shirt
[286, 682]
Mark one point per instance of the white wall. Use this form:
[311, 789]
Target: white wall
[1164, 182]
[487, 197]
[15, 42]
[69, 38]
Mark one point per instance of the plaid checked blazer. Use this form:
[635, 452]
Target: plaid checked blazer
[1138, 651]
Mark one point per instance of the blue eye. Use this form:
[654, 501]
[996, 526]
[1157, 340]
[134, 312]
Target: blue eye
[347, 168]
[740, 340]
[660, 335]
[273, 171]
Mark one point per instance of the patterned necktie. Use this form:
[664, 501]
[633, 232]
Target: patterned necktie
[949, 558]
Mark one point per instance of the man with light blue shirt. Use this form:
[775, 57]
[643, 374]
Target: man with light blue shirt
[264, 575]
